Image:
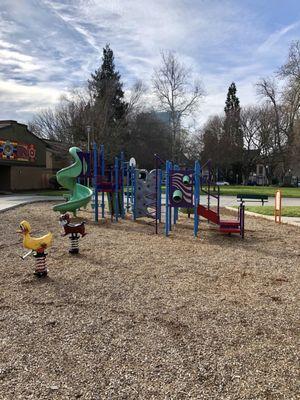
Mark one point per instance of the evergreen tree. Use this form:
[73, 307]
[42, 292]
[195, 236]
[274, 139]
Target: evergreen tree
[232, 137]
[232, 117]
[109, 108]
[232, 104]
[106, 83]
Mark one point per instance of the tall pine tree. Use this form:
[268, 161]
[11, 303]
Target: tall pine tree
[232, 104]
[232, 138]
[109, 107]
[232, 116]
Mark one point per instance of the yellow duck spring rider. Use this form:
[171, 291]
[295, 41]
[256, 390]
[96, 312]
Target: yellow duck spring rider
[37, 246]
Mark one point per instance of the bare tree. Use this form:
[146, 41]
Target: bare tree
[283, 113]
[66, 122]
[253, 138]
[194, 146]
[44, 124]
[284, 103]
[135, 104]
[177, 93]
[291, 68]
[268, 90]
[290, 71]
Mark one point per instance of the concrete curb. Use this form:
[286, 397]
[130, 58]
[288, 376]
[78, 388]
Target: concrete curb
[2, 210]
[284, 220]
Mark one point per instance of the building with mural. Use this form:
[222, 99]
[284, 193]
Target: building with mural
[26, 161]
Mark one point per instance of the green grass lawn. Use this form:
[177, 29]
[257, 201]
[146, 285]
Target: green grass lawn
[289, 211]
[233, 190]
[264, 190]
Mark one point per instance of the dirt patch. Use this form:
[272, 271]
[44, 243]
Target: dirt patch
[140, 316]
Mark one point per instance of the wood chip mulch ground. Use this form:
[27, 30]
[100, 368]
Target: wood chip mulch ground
[140, 316]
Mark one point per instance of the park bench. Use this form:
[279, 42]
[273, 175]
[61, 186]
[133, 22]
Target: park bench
[252, 198]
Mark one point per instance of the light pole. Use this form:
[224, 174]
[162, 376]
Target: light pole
[88, 130]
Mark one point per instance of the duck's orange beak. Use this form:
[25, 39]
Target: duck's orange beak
[19, 231]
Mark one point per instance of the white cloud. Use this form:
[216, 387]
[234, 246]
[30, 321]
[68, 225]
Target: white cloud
[275, 37]
[18, 99]
[223, 41]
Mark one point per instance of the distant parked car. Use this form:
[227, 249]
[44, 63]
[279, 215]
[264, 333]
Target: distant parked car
[222, 183]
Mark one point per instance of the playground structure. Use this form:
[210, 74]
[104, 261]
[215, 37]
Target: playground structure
[37, 246]
[139, 192]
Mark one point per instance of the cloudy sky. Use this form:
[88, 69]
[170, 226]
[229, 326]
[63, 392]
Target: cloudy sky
[50, 46]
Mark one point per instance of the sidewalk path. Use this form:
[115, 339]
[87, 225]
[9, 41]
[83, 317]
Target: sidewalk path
[13, 201]
[284, 220]
[229, 201]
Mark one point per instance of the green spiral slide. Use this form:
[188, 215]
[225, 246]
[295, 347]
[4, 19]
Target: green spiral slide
[66, 177]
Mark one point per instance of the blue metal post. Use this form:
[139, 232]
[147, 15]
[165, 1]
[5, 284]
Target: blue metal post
[127, 186]
[170, 207]
[95, 183]
[102, 172]
[116, 186]
[167, 217]
[133, 191]
[196, 196]
[175, 216]
[159, 193]
[122, 185]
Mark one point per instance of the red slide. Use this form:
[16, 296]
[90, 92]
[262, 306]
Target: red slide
[225, 226]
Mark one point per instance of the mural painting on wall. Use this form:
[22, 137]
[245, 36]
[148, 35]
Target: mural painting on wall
[17, 151]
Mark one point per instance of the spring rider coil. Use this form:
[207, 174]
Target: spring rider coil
[74, 230]
[37, 246]
[74, 239]
[40, 264]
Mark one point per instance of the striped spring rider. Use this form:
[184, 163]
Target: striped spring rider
[40, 264]
[74, 239]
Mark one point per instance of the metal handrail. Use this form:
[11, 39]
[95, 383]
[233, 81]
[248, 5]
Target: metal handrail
[204, 165]
[209, 193]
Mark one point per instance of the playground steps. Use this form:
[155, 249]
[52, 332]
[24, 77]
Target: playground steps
[229, 223]
[230, 226]
[225, 226]
[208, 214]
[230, 230]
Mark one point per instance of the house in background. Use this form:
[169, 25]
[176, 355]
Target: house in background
[260, 176]
[26, 161]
